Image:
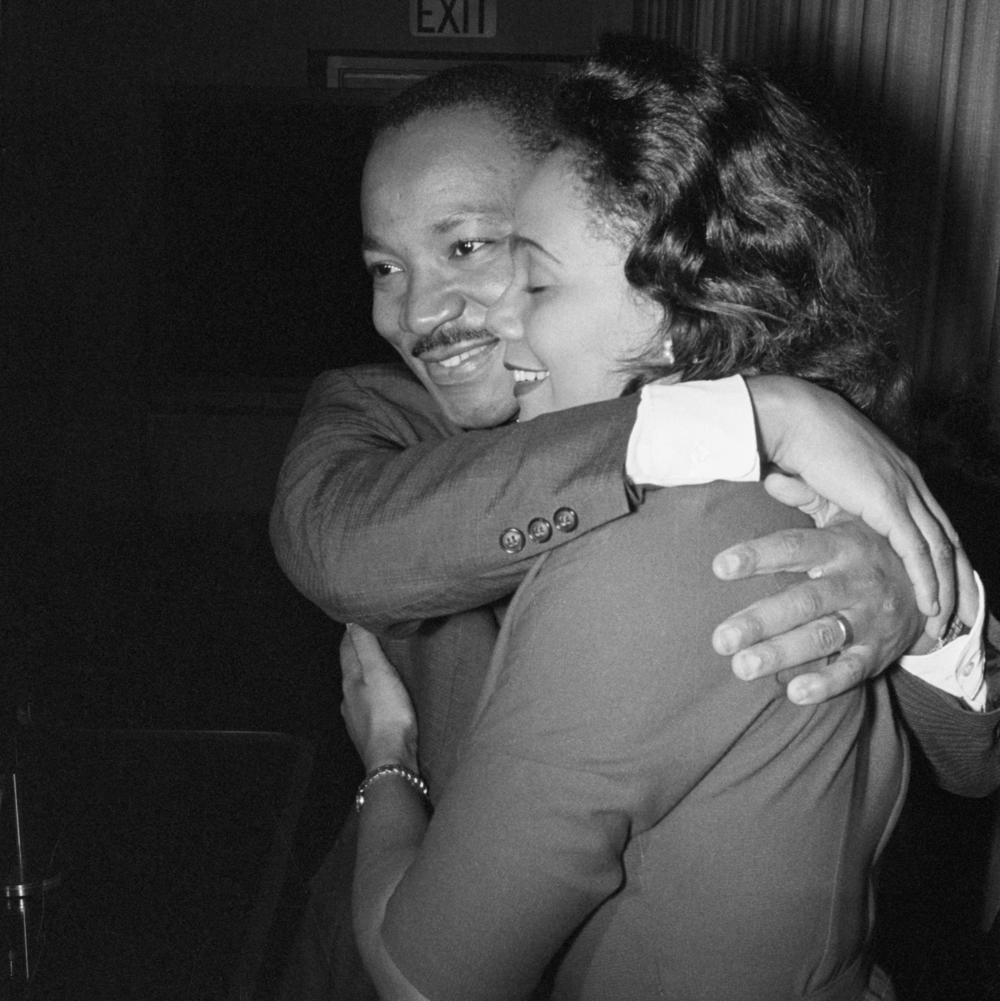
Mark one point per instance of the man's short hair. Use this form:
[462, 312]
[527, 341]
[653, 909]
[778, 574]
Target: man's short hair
[521, 101]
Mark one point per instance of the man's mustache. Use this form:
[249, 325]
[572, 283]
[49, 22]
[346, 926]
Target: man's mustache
[446, 338]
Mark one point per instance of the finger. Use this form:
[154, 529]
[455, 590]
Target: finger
[841, 675]
[793, 492]
[350, 664]
[943, 543]
[925, 539]
[967, 599]
[790, 490]
[912, 548]
[770, 617]
[793, 549]
[792, 649]
[948, 597]
[367, 649]
[968, 591]
[358, 635]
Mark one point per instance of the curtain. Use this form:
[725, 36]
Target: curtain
[915, 86]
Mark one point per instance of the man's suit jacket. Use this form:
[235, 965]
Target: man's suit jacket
[389, 515]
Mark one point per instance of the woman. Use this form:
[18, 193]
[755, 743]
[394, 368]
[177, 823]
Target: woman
[690, 222]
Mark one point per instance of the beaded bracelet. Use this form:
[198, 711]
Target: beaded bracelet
[402, 771]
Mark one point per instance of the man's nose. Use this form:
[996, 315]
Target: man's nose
[503, 318]
[429, 303]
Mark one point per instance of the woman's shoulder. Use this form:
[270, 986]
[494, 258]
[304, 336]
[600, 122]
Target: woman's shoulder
[681, 524]
[645, 582]
[652, 571]
[721, 506]
[610, 637]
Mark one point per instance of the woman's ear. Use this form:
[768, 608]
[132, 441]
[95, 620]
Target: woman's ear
[663, 320]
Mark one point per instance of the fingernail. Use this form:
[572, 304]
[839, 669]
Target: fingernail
[727, 639]
[800, 691]
[728, 565]
[746, 665]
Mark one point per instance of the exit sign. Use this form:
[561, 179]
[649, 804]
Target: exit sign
[453, 18]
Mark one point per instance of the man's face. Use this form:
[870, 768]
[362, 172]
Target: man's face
[437, 203]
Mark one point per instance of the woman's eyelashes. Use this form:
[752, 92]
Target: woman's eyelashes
[528, 277]
[536, 280]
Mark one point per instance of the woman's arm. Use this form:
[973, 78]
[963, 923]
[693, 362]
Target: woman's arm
[478, 906]
[382, 724]
[845, 461]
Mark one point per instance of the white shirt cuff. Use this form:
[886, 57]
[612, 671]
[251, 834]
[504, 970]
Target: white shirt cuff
[959, 667]
[693, 432]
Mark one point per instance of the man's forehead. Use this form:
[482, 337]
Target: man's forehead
[458, 122]
[455, 142]
[448, 168]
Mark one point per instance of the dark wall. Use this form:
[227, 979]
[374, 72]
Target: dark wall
[176, 208]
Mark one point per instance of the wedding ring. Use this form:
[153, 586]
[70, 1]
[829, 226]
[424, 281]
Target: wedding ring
[845, 628]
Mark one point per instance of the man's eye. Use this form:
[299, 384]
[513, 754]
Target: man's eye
[382, 269]
[466, 247]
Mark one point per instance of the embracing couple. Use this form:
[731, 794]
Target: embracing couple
[570, 792]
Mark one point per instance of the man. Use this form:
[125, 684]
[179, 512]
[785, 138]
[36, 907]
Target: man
[379, 475]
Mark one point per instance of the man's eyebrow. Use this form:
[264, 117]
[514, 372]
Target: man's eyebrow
[445, 226]
[485, 216]
[517, 241]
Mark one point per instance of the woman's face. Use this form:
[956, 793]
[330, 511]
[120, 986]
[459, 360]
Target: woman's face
[569, 317]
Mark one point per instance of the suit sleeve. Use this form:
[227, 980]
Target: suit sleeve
[387, 515]
[962, 747]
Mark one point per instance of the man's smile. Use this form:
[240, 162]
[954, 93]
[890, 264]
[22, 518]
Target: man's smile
[456, 363]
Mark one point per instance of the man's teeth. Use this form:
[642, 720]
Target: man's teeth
[529, 375]
[458, 359]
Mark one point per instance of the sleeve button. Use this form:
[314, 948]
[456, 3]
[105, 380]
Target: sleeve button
[512, 540]
[539, 530]
[565, 519]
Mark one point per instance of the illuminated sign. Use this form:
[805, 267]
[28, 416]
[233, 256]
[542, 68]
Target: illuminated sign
[453, 18]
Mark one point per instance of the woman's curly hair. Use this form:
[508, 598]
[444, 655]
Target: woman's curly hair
[745, 219]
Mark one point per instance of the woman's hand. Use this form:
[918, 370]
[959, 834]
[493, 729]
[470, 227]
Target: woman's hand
[376, 707]
[840, 457]
[382, 724]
